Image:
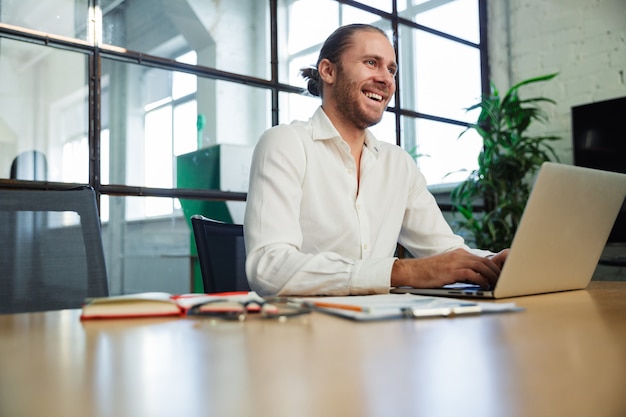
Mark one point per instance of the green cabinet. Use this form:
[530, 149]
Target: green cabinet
[219, 167]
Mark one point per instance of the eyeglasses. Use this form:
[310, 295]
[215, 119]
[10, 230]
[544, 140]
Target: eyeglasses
[271, 308]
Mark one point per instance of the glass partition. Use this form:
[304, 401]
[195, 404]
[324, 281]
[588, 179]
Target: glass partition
[153, 116]
[230, 35]
[148, 254]
[441, 155]
[297, 107]
[457, 18]
[43, 115]
[65, 18]
[439, 77]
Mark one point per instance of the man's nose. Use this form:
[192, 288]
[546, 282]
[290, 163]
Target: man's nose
[386, 77]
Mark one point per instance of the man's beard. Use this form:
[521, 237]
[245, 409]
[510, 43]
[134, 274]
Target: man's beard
[348, 97]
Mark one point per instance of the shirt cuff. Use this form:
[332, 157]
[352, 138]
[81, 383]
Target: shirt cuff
[371, 276]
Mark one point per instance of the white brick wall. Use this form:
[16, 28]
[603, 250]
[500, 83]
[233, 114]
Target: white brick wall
[583, 40]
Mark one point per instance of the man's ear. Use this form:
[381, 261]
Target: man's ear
[327, 71]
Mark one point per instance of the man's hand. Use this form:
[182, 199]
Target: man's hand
[500, 257]
[447, 268]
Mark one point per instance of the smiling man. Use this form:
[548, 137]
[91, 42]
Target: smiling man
[328, 203]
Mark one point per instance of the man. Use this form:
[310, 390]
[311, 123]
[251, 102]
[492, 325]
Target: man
[328, 203]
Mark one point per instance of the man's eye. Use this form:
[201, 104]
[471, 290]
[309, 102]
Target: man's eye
[371, 62]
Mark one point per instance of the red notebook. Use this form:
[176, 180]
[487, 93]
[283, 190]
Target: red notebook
[153, 304]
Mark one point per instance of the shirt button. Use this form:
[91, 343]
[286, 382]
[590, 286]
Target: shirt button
[365, 246]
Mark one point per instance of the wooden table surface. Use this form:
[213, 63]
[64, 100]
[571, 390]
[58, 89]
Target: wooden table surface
[565, 355]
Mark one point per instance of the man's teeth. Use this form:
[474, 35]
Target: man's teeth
[374, 96]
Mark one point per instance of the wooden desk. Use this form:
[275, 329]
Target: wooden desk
[564, 356]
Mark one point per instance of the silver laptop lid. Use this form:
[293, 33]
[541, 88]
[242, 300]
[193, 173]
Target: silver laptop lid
[563, 230]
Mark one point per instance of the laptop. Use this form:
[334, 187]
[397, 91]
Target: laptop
[563, 231]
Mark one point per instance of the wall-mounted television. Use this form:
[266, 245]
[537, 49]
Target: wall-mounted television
[599, 139]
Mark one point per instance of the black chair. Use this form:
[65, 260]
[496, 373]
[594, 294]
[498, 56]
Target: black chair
[52, 255]
[29, 165]
[222, 254]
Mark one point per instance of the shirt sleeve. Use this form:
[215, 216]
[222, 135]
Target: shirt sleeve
[275, 264]
[425, 231]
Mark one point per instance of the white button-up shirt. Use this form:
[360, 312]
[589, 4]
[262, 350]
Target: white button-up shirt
[310, 228]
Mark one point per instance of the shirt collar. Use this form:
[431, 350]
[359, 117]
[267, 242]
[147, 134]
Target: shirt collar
[323, 129]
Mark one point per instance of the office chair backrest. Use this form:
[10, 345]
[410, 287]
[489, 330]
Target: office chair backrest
[29, 165]
[222, 254]
[52, 256]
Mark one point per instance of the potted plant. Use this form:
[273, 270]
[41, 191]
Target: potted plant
[509, 159]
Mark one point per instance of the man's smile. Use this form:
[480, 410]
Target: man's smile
[373, 96]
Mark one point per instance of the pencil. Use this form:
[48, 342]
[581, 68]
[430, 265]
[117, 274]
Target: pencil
[323, 304]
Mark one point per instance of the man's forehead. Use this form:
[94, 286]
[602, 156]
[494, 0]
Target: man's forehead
[370, 43]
